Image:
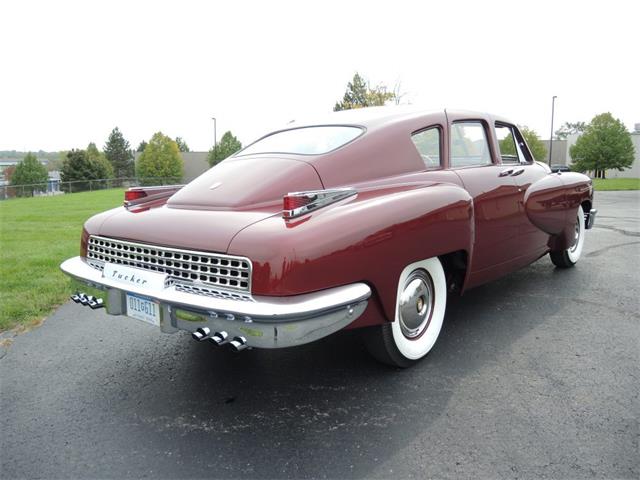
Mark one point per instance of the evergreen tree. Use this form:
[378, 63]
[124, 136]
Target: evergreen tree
[227, 146]
[160, 162]
[359, 94]
[118, 153]
[141, 146]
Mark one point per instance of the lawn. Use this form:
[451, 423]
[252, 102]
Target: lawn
[616, 183]
[36, 235]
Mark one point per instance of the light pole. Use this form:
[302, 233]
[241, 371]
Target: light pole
[553, 104]
[215, 141]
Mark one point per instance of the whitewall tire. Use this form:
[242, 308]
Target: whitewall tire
[569, 257]
[421, 302]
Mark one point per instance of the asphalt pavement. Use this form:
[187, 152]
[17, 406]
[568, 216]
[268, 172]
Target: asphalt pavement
[534, 376]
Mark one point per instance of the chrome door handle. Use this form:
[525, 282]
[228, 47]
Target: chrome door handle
[506, 173]
[520, 171]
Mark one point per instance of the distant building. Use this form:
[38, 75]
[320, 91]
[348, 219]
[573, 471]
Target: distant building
[561, 155]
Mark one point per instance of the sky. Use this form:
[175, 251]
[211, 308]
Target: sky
[71, 71]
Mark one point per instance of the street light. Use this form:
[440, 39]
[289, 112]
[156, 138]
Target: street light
[215, 141]
[553, 104]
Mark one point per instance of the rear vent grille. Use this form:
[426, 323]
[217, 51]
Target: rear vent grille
[185, 267]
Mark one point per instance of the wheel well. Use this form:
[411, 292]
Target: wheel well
[455, 269]
[586, 206]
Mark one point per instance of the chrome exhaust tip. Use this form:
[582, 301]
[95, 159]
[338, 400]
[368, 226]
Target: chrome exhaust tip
[219, 338]
[96, 303]
[238, 344]
[201, 334]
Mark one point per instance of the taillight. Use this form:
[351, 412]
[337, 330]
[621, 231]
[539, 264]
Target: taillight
[299, 203]
[133, 194]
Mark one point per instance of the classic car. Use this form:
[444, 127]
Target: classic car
[364, 219]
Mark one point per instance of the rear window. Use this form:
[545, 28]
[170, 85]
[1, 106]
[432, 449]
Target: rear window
[304, 141]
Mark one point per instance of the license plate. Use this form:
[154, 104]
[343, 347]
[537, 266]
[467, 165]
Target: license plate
[143, 308]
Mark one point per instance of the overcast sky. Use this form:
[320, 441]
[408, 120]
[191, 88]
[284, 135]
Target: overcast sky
[71, 71]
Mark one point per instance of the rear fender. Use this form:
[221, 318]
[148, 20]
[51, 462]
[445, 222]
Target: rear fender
[370, 237]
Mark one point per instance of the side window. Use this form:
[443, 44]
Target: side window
[427, 143]
[511, 145]
[509, 151]
[469, 146]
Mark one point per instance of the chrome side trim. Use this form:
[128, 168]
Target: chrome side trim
[318, 199]
[267, 322]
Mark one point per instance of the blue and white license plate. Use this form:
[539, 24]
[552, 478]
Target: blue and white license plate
[143, 308]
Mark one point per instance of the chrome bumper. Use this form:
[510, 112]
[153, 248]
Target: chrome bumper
[590, 218]
[264, 322]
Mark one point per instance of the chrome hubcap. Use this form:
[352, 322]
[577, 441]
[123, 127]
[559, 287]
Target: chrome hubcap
[577, 236]
[415, 306]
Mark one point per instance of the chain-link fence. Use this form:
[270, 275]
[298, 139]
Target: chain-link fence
[56, 187]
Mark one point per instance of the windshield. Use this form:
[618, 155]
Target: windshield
[304, 141]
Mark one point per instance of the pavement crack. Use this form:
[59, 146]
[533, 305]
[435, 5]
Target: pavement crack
[619, 230]
[599, 252]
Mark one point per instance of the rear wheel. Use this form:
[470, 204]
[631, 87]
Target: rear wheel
[569, 257]
[420, 306]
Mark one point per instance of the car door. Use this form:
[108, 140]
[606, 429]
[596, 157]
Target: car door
[495, 196]
[515, 154]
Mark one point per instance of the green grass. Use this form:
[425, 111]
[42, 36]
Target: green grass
[616, 184]
[36, 235]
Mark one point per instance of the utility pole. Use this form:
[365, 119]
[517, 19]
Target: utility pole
[553, 104]
[215, 141]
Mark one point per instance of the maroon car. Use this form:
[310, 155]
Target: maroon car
[364, 218]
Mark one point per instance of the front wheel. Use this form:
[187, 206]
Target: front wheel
[569, 257]
[421, 301]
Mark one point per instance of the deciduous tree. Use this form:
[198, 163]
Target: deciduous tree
[605, 144]
[100, 160]
[118, 153]
[29, 171]
[569, 129]
[360, 94]
[160, 162]
[227, 146]
[182, 145]
[537, 146]
[83, 166]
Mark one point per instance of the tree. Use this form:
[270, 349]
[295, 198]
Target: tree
[81, 165]
[227, 146]
[160, 161]
[29, 171]
[118, 153]
[605, 144]
[570, 129]
[537, 146]
[141, 146]
[182, 145]
[98, 158]
[359, 94]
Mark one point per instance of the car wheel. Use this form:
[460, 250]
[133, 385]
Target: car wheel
[568, 258]
[421, 301]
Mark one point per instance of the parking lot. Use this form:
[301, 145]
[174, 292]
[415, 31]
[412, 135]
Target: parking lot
[534, 376]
